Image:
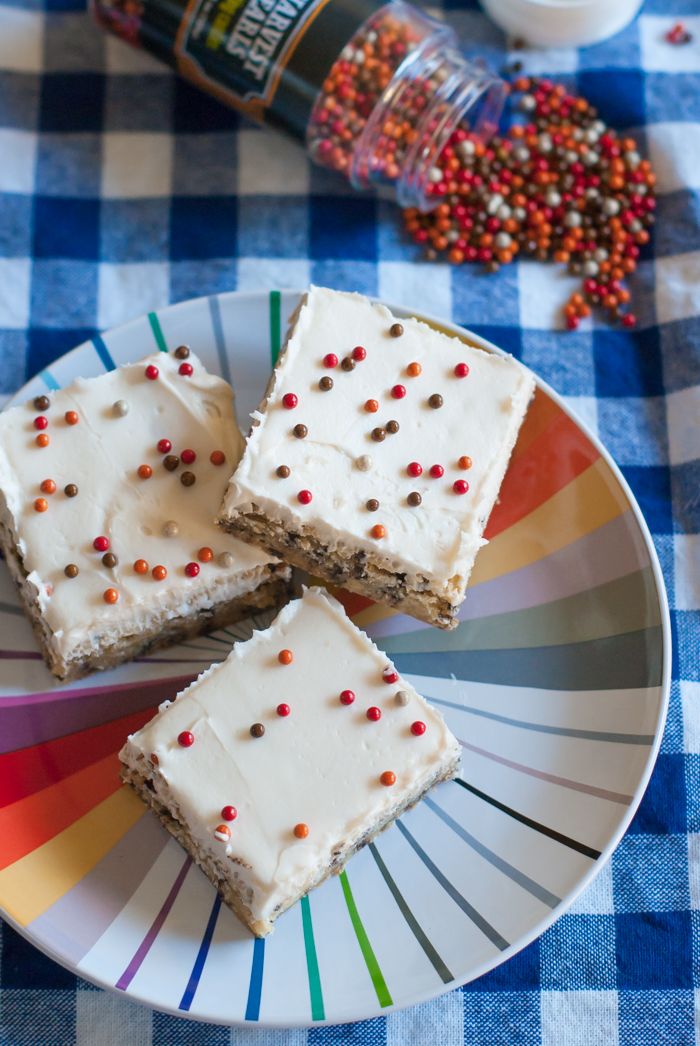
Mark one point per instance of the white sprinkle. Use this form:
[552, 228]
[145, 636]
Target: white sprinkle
[572, 219]
[610, 206]
[363, 463]
[170, 529]
[435, 175]
[120, 408]
[226, 559]
[401, 698]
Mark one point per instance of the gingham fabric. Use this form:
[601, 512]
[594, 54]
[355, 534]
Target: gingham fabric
[122, 188]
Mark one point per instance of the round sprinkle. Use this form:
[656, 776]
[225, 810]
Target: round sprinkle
[330, 360]
[226, 559]
[378, 435]
[171, 462]
[101, 543]
[401, 698]
[71, 417]
[414, 468]
[347, 363]
[217, 457]
[164, 446]
[392, 427]
[418, 728]
[48, 486]
[437, 471]
[110, 595]
[363, 463]
[300, 431]
[42, 440]
[378, 531]
[205, 554]
[70, 490]
[414, 370]
[188, 479]
[42, 402]
[325, 383]
[182, 352]
[151, 372]
[186, 370]
[301, 830]
[120, 408]
[347, 697]
[222, 833]
[159, 573]
[257, 730]
[289, 400]
[41, 422]
[304, 497]
[283, 710]
[390, 675]
[145, 471]
[154, 759]
[141, 566]
[465, 462]
[460, 486]
[372, 505]
[191, 569]
[396, 330]
[285, 657]
[398, 392]
[185, 739]
[374, 714]
[170, 529]
[229, 813]
[359, 353]
[388, 778]
[414, 499]
[435, 401]
[283, 471]
[461, 370]
[109, 560]
[71, 570]
[371, 406]
[40, 505]
[188, 456]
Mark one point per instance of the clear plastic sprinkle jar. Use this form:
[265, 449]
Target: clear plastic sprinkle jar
[373, 90]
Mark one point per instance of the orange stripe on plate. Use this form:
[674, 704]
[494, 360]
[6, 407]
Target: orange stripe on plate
[32, 821]
[35, 882]
[28, 770]
[541, 413]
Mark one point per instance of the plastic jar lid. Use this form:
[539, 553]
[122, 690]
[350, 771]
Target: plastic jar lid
[562, 23]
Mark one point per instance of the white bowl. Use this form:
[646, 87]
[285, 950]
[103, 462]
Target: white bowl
[562, 23]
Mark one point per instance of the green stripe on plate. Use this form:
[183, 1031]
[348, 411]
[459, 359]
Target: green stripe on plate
[318, 1012]
[275, 325]
[157, 332]
[368, 955]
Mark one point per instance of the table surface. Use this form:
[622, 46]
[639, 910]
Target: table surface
[122, 189]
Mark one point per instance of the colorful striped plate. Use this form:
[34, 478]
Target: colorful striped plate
[556, 681]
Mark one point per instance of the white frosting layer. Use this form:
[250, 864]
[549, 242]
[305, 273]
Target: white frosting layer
[480, 417]
[319, 766]
[101, 455]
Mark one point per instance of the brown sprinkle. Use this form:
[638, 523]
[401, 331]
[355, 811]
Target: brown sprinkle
[283, 471]
[188, 479]
[396, 330]
[109, 560]
[435, 401]
[378, 435]
[372, 505]
[171, 462]
[325, 384]
[70, 490]
[347, 363]
[181, 352]
[392, 427]
[300, 431]
[42, 402]
[257, 730]
[414, 499]
[70, 570]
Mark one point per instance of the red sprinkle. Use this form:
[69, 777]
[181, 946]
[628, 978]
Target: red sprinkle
[347, 697]
[41, 422]
[192, 569]
[374, 714]
[436, 471]
[460, 486]
[290, 400]
[305, 497]
[185, 739]
[164, 446]
[151, 372]
[390, 675]
[229, 813]
[398, 392]
[359, 354]
[330, 360]
[186, 369]
[188, 457]
[101, 543]
[418, 728]
[414, 468]
[283, 710]
[461, 370]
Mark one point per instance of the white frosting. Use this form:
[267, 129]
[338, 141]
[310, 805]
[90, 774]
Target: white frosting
[480, 417]
[101, 455]
[319, 766]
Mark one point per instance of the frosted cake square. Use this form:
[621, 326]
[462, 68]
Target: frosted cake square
[378, 453]
[109, 490]
[277, 764]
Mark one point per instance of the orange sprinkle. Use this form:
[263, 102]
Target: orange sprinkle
[217, 457]
[301, 830]
[48, 487]
[205, 554]
[110, 595]
[465, 462]
[145, 471]
[141, 566]
[371, 406]
[41, 505]
[378, 531]
[414, 370]
[285, 657]
[388, 778]
[159, 573]
[71, 417]
[42, 440]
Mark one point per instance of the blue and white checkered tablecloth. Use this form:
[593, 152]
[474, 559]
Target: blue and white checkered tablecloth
[122, 189]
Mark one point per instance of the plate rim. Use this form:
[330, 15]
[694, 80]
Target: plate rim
[455, 330]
